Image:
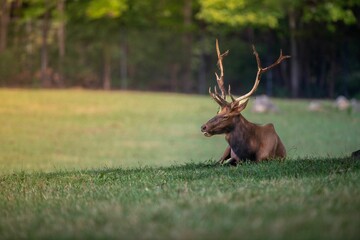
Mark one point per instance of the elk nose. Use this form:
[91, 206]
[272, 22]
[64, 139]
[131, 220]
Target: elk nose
[203, 128]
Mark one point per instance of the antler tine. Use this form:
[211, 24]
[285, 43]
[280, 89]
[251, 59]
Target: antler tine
[220, 80]
[214, 96]
[257, 57]
[217, 97]
[220, 98]
[216, 93]
[260, 71]
[278, 61]
[231, 96]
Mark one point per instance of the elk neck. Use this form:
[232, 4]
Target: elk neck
[240, 137]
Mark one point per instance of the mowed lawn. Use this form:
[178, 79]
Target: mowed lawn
[134, 165]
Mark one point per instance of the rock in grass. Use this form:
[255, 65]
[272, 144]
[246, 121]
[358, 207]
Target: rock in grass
[263, 104]
[342, 103]
[315, 106]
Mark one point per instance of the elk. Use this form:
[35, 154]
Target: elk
[247, 141]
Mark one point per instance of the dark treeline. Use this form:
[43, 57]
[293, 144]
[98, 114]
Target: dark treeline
[170, 45]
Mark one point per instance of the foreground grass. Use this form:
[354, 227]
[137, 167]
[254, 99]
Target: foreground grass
[73, 129]
[303, 199]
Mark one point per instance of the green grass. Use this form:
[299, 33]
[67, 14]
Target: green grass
[90, 164]
[74, 129]
[304, 199]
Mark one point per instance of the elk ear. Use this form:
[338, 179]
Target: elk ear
[239, 107]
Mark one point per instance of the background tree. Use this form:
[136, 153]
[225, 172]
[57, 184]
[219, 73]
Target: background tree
[106, 12]
[169, 45]
[273, 14]
[4, 22]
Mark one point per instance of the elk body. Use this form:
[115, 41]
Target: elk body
[247, 141]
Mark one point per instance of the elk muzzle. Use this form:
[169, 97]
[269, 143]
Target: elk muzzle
[204, 130]
[217, 125]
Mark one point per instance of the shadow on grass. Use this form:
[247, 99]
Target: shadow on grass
[196, 171]
[269, 170]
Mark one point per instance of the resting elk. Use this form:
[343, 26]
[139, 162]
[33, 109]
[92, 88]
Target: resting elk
[247, 141]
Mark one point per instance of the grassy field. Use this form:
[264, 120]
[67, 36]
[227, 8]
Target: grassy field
[91, 164]
[74, 129]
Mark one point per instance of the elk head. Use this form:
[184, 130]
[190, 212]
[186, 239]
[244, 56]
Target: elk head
[225, 121]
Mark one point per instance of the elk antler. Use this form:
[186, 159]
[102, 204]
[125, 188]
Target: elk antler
[220, 99]
[260, 71]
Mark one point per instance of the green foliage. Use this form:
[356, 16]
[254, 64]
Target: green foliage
[331, 13]
[239, 13]
[268, 13]
[36, 9]
[106, 8]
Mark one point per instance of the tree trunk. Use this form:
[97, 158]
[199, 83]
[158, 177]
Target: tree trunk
[123, 66]
[294, 65]
[202, 68]
[107, 69]
[307, 80]
[187, 44]
[331, 79]
[61, 41]
[174, 71]
[202, 75]
[345, 69]
[45, 80]
[4, 22]
[30, 48]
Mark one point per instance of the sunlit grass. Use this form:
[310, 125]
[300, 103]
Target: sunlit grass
[75, 129]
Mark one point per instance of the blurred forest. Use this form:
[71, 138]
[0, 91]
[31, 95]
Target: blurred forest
[170, 45]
